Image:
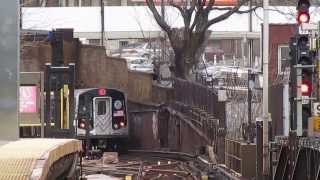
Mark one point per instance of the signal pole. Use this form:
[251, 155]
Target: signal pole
[265, 171]
[102, 21]
[250, 57]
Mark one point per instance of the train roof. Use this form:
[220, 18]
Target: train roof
[77, 92]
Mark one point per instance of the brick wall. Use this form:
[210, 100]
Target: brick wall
[34, 56]
[139, 86]
[94, 69]
[279, 34]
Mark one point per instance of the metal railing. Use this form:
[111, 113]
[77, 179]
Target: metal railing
[197, 95]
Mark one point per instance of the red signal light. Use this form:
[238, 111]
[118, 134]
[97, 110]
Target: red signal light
[102, 92]
[306, 88]
[303, 17]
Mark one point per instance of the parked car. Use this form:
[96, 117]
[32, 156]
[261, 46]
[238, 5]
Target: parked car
[211, 52]
[139, 64]
[142, 49]
[144, 67]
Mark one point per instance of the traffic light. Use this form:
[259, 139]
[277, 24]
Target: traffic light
[303, 15]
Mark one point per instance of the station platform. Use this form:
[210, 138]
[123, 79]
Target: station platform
[32, 158]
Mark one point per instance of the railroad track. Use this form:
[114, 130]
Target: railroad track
[151, 165]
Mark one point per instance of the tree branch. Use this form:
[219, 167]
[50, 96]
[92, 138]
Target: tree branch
[161, 21]
[199, 12]
[224, 16]
[210, 4]
[178, 7]
[195, 20]
[184, 13]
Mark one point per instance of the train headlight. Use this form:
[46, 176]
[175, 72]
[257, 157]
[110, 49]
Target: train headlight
[116, 126]
[122, 124]
[117, 104]
[82, 123]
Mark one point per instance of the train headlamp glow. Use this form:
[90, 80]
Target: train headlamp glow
[116, 126]
[82, 125]
[117, 104]
[122, 124]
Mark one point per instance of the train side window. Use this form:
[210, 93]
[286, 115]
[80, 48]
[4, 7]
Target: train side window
[102, 107]
[81, 101]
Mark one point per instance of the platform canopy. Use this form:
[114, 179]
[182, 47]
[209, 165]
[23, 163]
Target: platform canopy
[32, 158]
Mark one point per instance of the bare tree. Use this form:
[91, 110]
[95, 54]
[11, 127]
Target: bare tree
[187, 41]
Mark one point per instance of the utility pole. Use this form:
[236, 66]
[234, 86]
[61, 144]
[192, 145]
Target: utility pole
[265, 112]
[188, 3]
[250, 139]
[102, 22]
[318, 65]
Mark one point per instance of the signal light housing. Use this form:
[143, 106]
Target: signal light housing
[303, 15]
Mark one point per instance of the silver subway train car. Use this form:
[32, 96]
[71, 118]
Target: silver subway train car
[101, 118]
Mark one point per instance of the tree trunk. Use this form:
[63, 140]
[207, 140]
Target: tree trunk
[184, 61]
[188, 47]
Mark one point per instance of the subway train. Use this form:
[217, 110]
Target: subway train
[101, 118]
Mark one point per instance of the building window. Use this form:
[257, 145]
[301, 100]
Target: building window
[94, 41]
[123, 44]
[69, 3]
[95, 3]
[63, 3]
[283, 58]
[85, 3]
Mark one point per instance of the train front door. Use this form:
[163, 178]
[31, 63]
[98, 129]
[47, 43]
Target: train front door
[102, 115]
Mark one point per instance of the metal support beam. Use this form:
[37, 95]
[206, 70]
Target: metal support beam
[102, 22]
[48, 100]
[72, 80]
[259, 161]
[9, 70]
[53, 85]
[299, 102]
[265, 89]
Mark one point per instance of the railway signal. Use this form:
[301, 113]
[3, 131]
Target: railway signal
[305, 59]
[304, 79]
[302, 72]
[303, 15]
